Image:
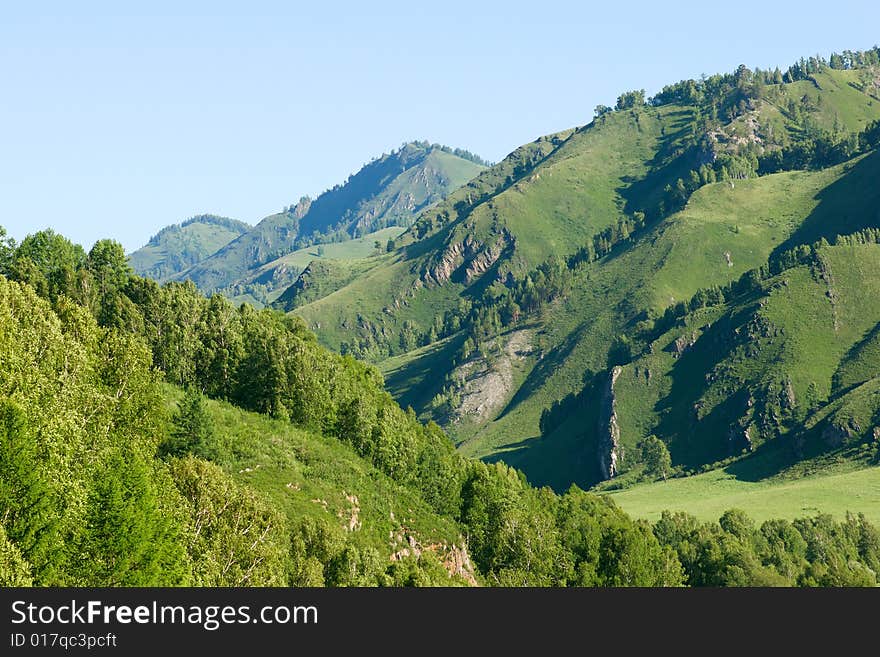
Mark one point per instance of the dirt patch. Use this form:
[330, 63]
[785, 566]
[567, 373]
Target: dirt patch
[486, 386]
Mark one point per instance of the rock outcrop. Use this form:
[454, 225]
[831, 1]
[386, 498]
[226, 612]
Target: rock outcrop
[465, 260]
[609, 429]
[455, 559]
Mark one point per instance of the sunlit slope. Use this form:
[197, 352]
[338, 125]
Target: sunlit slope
[175, 248]
[547, 198]
[724, 232]
[707, 496]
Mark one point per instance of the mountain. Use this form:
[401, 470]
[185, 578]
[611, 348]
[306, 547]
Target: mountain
[388, 191]
[676, 305]
[505, 311]
[176, 248]
[295, 467]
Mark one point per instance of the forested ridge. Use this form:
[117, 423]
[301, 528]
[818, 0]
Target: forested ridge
[104, 482]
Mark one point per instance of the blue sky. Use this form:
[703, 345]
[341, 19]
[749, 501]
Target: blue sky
[116, 121]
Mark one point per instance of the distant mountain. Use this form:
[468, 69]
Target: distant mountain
[388, 191]
[263, 285]
[176, 248]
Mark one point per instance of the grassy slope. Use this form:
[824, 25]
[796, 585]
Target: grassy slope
[288, 267]
[839, 99]
[577, 191]
[361, 247]
[306, 474]
[801, 346]
[571, 195]
[579, 188]
[670, 263]
[198, 238]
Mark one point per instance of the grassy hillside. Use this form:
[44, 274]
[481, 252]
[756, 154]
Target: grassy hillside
[310, 476]
[388, 191]
[178, 247]
[265, 284]
[611, 186]
[683, 253]
[678, 379]
[545, 199]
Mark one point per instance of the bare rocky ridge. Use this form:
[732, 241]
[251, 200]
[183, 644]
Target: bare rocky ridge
[351, 517]
[609, 429]
[455, 559]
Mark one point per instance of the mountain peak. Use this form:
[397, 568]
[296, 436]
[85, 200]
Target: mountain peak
[390, 190]
[177, 247]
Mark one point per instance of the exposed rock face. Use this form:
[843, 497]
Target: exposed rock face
[301, 209]
[609, 429]
[683, 343]
[351, 518]
[485, 388]
[483, 261]
[739, 437]
[838, 433]
[451, 259]
[455, 559]
[468, 259]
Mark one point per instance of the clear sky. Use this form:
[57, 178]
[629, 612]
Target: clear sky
[116, 121]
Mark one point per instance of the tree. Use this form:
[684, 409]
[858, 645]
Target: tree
[48, 262]
[655, 455]
[237, 537]
[193, 429]
[176, 326]
[130, 537]
[14, 570]
[314, 544]
[220, 349]
[631, 99]
[28, 510]
[108, 264]
[7, 251]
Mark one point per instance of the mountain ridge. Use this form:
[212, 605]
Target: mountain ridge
[498, 258]
[388, 191]
[179, 246]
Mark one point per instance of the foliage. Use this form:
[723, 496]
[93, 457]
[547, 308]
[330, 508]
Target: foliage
[192, 429]
[130, 537]
[27, 509]
[656, 458]
[808, 552]
[235, 537]
[14, 570]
